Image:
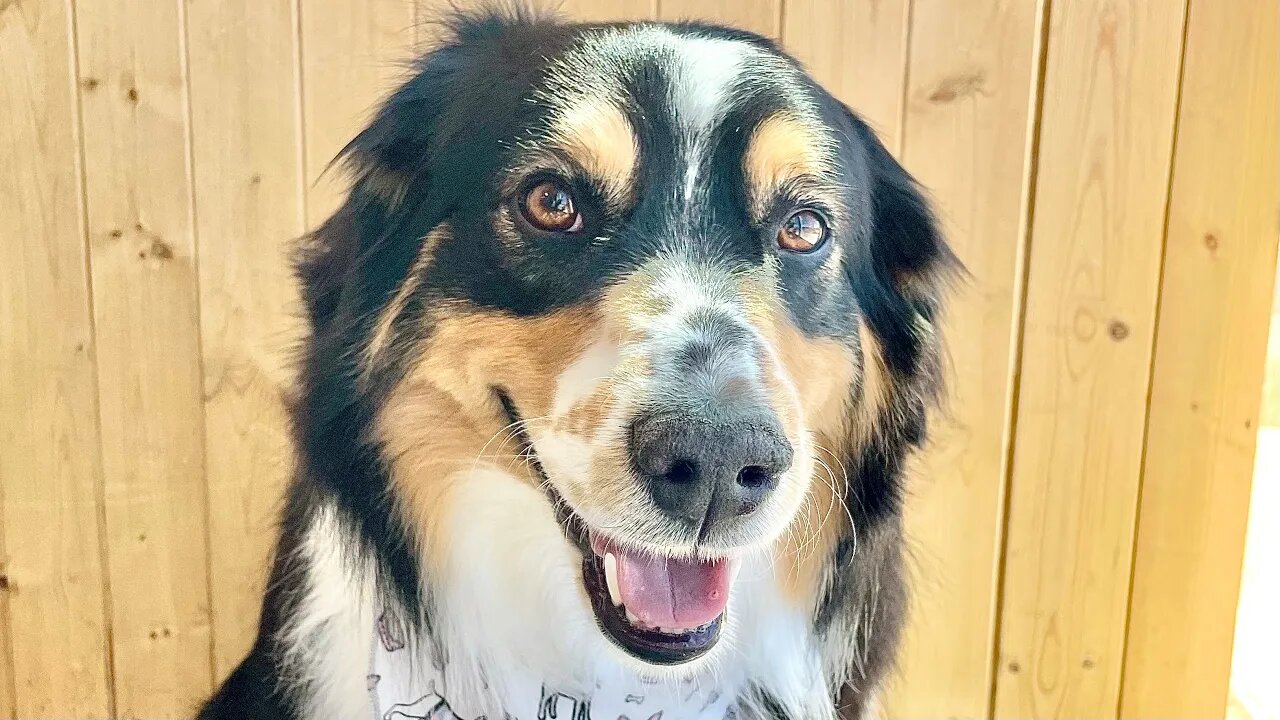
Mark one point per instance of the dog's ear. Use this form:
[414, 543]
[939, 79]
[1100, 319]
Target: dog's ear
[362, 251]
[422, 153]
[906, 266]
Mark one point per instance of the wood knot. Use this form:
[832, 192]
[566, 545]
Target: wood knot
[1014, 667]
[1211, 242]
[1117, 330]
[132, 94]
[90, 83]
[255, 179]
[958, 86]
[159, 250]
[1087, 664]
[4, 583]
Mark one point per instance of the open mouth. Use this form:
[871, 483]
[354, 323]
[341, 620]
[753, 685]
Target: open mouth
[659, 609]
[662, 610]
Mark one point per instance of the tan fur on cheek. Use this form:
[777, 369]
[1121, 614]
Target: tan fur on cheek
[838, 428]
[473, 352]
[441, 420]
[825, 373]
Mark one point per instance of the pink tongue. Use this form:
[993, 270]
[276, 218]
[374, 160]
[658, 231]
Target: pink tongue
[668, 592]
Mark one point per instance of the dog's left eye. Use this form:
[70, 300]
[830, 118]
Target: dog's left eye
[802, 232]
[549, 206]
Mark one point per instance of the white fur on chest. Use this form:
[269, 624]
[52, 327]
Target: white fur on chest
[512, 614]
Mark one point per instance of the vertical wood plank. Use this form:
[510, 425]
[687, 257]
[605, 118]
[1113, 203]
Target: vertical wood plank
[50, 475]
[1209, 358]
[249, 206]
[1105, 146]
[353, 54]
[142, 251]
[967, 137]
[856, 50]
[607, 10]
[759, 16]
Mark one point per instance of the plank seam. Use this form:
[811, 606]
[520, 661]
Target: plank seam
[303, 164]
[901, 149]
[100, 487]
[184, 40]
[1031, 169]
[1151, 357]
[781, 18]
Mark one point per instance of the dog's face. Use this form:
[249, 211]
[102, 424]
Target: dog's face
[624, 303]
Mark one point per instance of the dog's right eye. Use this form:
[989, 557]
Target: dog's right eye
[548, 206]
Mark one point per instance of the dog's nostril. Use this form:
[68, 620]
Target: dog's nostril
[754, 476]
[682, 472]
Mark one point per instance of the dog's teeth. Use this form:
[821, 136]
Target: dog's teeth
[611, 578]
[631, 618]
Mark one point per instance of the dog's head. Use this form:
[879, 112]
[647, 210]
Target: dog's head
[610, 310]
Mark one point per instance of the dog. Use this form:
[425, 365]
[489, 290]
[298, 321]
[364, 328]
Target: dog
[618, 349]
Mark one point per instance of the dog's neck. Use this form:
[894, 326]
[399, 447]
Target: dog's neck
[509, 622]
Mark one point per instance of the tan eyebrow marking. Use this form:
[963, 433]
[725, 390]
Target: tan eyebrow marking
[782, 147]
[598, 136]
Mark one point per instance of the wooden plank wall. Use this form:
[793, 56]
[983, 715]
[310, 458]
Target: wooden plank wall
[1105, 168]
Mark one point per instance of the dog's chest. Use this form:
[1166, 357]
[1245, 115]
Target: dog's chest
[405, 685]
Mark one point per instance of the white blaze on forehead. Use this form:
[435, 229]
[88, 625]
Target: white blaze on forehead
[706, 68]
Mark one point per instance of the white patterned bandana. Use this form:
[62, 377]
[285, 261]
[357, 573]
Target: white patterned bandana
[402, 688]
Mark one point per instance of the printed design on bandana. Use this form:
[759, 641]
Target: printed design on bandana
[427, 707]
[405, 682]
[549, 707]
[389, 633]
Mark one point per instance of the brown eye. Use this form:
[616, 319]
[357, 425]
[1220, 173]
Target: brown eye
[804, 231]
[548, 206]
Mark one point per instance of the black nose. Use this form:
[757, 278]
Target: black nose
[708, 472]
